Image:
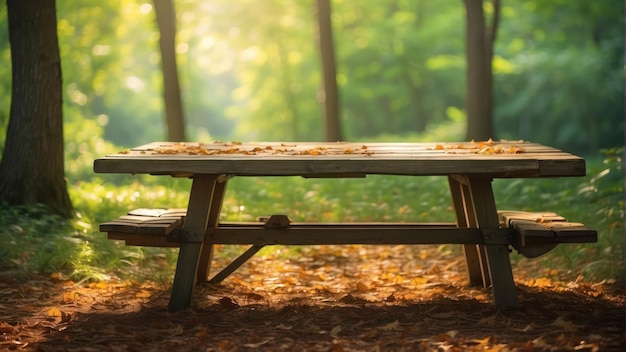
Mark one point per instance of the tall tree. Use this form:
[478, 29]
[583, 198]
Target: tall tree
[479, 52]
[166, 19]
[32, 166]
[330, 94]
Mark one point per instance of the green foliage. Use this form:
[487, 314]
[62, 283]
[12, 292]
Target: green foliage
[564, 86]
[35, 241]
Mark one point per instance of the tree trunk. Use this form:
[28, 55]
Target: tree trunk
[479, 52]
[166, 19]
[330, 93]
[32, 166]
[286, 80]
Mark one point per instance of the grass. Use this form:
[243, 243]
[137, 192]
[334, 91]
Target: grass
[33, 241]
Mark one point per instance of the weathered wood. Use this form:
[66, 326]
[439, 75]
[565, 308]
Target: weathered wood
[573, 232]
[277, 222]
[332, 160]
[497, 256]
[345, 235]
[531, 232]
[180, 212]
[505, 216]
[146, 221]
[469, 166]
[553, 232]
[235, 264]
[537, 233]
[142, 239]
[215, 208]
[459, 193]
[202, 191]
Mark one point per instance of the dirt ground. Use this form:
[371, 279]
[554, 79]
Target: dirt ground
[350, 298]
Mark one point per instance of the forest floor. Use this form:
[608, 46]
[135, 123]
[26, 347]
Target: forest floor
[323, 298]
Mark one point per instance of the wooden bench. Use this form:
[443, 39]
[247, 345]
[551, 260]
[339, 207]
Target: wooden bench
[157, 227]
[536, 233]
[146, 227]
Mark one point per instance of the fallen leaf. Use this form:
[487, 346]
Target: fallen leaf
[335, 331]
[228, 303]
[6, 328]
[391, 326]
[55, 312]
[565, 325]
[362, 287]
[70, 296]
[143, 294]
[445, 315]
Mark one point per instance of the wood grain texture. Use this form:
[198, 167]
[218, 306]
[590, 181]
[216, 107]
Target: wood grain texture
[328, 159]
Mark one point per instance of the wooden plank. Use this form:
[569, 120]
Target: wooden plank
[145, 212]
[532, 232]
[148, 219]
[379, 158]
[144, 240]
[188, 257]
[506, 216]
[158, 228]
[536, 233]
[570, 232]
[215, 208]
[499, 263]
[118, 226]
[345, 235]
[464, 215]
[235, 264]
[151, 226]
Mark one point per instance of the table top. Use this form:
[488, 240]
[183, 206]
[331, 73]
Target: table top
[497, 159]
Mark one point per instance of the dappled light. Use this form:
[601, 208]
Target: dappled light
[250, 78]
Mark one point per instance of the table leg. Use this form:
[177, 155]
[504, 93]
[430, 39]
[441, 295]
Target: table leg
[497, 256]
[206, 255]
[465, 217]
[202, 190]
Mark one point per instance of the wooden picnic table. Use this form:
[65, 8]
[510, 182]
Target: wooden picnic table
[469, 167]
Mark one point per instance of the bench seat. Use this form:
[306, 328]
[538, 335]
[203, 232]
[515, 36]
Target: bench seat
[530, 233]
[145, 227]
[538, 232]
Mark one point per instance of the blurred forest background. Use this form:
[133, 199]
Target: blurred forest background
[250, 70]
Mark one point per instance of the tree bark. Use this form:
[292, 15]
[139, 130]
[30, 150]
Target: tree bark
[32, 166]
[166, 19]
[479, 52]
[330, 93]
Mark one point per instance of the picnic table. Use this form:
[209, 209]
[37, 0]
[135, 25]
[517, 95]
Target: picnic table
[485, 233]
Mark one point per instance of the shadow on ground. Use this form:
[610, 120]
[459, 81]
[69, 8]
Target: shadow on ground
[48, 316]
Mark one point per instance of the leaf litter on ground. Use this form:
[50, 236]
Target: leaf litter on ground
[324, 298]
